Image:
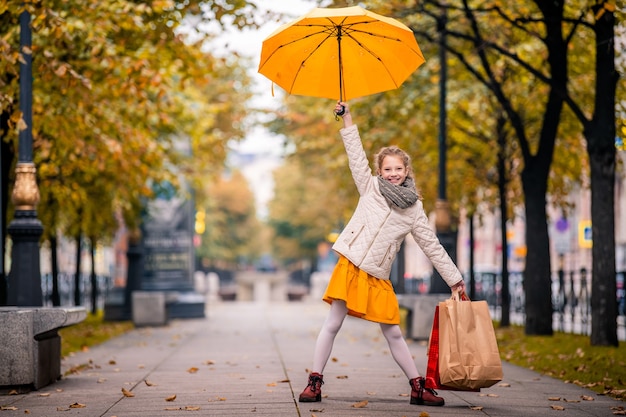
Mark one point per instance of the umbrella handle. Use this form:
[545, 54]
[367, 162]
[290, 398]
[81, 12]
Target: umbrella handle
[340, 112]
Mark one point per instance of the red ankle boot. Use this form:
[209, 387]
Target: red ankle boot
[313, 391]
[421, 395]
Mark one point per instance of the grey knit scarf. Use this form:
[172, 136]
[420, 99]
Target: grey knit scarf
[402, 196]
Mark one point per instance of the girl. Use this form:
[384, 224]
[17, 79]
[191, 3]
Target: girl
[389, 208]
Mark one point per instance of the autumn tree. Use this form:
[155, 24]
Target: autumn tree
[115, 82]
[232, 235]
[555, 26]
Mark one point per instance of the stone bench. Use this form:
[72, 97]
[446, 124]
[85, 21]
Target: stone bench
[30, 346]
[420, 313]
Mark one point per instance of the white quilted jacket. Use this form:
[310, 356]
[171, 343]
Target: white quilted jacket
[373, 236]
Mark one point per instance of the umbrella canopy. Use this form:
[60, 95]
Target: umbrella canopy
[340, 53]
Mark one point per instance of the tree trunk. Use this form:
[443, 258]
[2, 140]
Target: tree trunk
[537, 274]
[93, 279]
[505, 319]
[600, 135]
[56, 297]
[7, 155]
[472, 277]
[603, 285]
[77, 294]
[537, 281]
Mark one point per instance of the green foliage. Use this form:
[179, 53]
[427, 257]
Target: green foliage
[90, 332]
[568, 357]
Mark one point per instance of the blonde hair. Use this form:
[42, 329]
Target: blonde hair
[393, 151]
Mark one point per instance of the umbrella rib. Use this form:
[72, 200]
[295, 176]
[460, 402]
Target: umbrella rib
[297, 40]
[349, 30]
[329, 34]
[368, 50]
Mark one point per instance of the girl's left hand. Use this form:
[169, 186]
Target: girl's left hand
[459, 287]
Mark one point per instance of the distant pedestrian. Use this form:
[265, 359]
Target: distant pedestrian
[389, 208]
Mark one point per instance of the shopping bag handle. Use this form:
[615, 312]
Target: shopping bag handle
[459, 296]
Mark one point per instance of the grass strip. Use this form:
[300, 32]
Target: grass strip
[568, 357]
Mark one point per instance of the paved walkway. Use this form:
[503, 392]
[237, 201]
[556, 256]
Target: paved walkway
[248, 359]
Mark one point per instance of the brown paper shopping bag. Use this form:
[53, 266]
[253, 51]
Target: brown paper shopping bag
[468, 349]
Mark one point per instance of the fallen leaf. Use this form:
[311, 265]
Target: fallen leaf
[342, 376]
[127, 393]
[26, 411]
[271, 384]
[101, 380]
[284, 381]
[404, 395]
[192, 370]
[316, 410]
[112, 362]
[44, 394]
[171, 398]
[424, 414]
[493, 395]
[476, 408]
[141, 366]
[13, 392]
[504, 385]
[8, 408]
[209, 362]
[360, 404]
[77, 405]
[554, 398]
[217, 399]
[192, 408]
[334, 360]
[557, 407]
[587, 398]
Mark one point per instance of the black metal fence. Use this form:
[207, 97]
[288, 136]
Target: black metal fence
[571, 299]
[66, 285]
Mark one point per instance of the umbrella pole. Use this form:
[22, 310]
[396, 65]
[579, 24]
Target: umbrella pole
[343, 109]
[340, 64]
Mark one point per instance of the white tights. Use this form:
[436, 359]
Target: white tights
[324, 345]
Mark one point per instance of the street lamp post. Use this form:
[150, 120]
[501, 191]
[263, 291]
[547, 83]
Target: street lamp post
[443, 220]
[24, 283]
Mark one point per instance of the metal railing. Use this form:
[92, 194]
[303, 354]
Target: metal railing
[66, 285]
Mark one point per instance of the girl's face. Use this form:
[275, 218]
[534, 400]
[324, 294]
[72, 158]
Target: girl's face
[393, 170]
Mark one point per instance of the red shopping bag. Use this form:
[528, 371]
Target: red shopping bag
[432, 368]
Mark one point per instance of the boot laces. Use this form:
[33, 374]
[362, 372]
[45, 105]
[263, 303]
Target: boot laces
[421, 383]
[315, 382]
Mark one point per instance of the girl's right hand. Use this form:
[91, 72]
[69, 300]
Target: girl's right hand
[343, 110]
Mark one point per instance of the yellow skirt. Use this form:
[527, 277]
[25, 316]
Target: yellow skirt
[366, 297]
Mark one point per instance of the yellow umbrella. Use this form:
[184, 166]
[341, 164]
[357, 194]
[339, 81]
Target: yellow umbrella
[340, 53]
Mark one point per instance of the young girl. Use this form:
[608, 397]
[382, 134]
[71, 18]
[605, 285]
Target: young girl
[389, 208]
